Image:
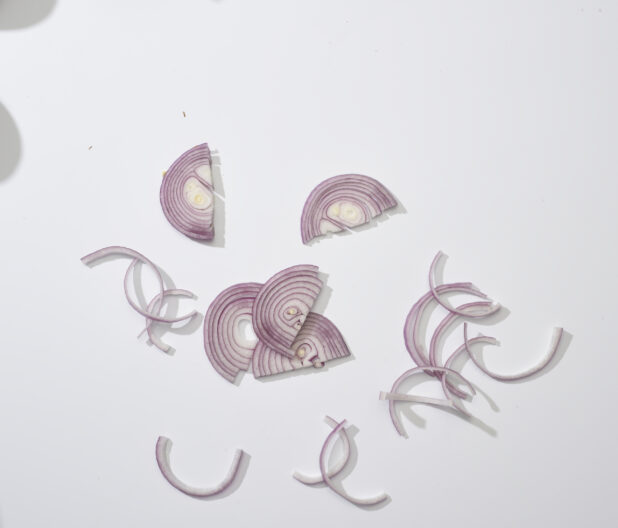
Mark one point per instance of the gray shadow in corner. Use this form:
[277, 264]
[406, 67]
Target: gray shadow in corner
[17, 14]
[10, 144]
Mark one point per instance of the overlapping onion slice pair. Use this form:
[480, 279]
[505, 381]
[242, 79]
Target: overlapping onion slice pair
[153, 311]
[289, 335]
[429, 364]
[337, 204]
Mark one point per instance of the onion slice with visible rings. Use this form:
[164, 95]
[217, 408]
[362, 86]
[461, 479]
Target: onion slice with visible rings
[222, 340]
[412, 324]
[282, 305]
[427, 370]
[119, 250]
[343, 202]
[186, 194]
[553, 348]
[327, 480]
[494, 307]
[337, 468]
[163, 449]
[318, 342]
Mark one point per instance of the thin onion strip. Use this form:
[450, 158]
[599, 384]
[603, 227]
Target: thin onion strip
[162, 453]
[553, 349]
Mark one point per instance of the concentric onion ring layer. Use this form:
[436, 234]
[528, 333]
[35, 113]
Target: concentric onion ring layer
[342, 202]
[282, 305]
[225, 346]
[319, 340]
[186, 195]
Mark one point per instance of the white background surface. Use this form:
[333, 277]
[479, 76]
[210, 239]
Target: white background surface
[495, 125]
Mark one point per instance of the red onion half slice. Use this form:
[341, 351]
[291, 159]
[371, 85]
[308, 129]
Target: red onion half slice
[339, 429]
[282, 305]
[342, 202]
[553, 348]
[164, 446]
[225, 346]
[318, 341]
[187, 196]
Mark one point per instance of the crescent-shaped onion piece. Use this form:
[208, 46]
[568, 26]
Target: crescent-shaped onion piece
[446, 387]
[127, 252]
[154, 306]
[318, 342]
[412, 325]
[343, 202]
[326, 474]
[553, 348]
[187, 196]
[494, 307]
[164, 446]
[282, 305]
[420, 399]
[224, 343]
[337, 467]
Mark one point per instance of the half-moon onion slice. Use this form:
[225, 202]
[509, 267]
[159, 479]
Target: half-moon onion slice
[282, 305]
[224, 342]
[187, 196]
[318, 341]
[343, 202]
[164, 446]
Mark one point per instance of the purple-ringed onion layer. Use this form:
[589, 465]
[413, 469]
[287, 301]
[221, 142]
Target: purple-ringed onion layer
[162, 454]
[412, 325]
[282, 305]
[227, 350]
[337, 467]
[343, 202]
[553, 349]
[127, 252]
[326, 474]
[318, 341]
[394, 396]
[494, 307]
[187, 196]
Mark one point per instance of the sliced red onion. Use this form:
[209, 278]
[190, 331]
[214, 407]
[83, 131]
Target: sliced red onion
[119, 250]
[342, 202]
[327, 479]
[467, 313]
[447, 387]
[337, 468]
[318, 341]
[155, 306]
[427, 370]
[224, 343]
[439, 331]
[164, 446]
[412, 325]
[398, 396]
[553, 348]
[187, 196]
[282, 305]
